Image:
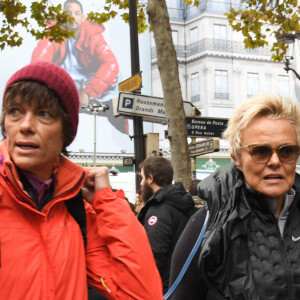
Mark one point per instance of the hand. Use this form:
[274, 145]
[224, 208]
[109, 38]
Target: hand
[96, 180]
[83, 98]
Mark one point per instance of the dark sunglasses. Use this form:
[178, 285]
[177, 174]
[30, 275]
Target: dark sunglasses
[262, 153]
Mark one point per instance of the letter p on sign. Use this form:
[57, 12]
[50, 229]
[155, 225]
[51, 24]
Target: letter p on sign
[127, 102]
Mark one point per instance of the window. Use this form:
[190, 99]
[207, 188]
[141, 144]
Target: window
[175, 37]
[193, 49]
[194, 35]
[220, 37]
[221, 83]
[218, 6]
[195, 87]
[284, 85]
[173, 4]
[252, 84]
[220, 32]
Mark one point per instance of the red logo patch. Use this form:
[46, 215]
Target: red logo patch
[152, 220]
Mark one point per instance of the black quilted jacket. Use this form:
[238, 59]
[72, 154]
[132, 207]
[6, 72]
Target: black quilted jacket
[243, 255]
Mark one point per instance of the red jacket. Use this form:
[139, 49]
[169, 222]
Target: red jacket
[42, 254]
[96, 56]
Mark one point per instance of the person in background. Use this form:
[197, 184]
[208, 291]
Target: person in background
[62, 227]
[194, 192]
[132, 207]
[252, 242]
[167, 209]
[139, 203]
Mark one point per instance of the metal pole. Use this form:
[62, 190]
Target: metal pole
[138, 131]
[95, 108]
[95, 111]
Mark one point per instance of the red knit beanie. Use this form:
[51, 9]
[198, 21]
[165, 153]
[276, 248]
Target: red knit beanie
[58, 80]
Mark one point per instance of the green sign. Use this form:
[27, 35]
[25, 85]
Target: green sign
[122, 169]
[210, 163]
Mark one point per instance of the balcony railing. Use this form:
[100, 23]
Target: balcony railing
[195, 98]
[252, 95]
[205, 6]
[215, 45]
[221, 95]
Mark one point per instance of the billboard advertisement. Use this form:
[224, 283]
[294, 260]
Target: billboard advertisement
[98, 58]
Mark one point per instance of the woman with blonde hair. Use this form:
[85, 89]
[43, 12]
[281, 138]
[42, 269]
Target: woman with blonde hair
[251, 246]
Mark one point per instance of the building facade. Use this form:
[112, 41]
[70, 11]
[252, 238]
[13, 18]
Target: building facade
[216, 74]
[216, 71]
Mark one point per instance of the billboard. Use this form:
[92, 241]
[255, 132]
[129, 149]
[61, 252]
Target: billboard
[97, 59]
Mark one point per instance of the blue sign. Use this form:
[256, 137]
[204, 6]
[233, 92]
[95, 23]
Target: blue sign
[128, 102]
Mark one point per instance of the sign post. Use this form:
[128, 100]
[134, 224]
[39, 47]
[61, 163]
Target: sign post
[138, 131]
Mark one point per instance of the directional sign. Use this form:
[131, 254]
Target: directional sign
[131, 84]
[206, 127]
[128, 161]
[205, 146]
[152, 109]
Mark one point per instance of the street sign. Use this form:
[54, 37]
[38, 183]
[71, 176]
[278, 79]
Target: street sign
[206, 127]
[205, 146]
[131, 84]
[152, 109]
[128, 161]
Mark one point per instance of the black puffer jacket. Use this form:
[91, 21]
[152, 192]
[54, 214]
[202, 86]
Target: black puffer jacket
[243, 254]
[164, 217]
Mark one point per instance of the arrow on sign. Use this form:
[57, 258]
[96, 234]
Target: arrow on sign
[131, 84]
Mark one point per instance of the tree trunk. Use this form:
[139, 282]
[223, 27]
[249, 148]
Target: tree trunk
[168, 68]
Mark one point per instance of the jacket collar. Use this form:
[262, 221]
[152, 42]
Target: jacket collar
[68, 176]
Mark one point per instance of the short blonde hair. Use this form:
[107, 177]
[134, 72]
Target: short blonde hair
[271, 106]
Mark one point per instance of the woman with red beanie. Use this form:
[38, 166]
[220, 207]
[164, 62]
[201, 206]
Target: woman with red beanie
[62, 227]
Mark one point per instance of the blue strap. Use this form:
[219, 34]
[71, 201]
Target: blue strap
[189, 259]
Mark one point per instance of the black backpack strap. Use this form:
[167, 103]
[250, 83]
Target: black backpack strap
[76, 208]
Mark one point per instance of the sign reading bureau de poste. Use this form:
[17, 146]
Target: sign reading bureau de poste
[152, 109]
[206, 127]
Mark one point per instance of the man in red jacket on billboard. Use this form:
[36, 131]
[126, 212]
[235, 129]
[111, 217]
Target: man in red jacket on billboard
[88, 59]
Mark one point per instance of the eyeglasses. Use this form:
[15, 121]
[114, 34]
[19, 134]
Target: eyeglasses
[262, 153]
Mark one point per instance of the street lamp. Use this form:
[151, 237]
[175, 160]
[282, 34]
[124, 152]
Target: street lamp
[287, 66]
[287, 39]
[95, 108]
